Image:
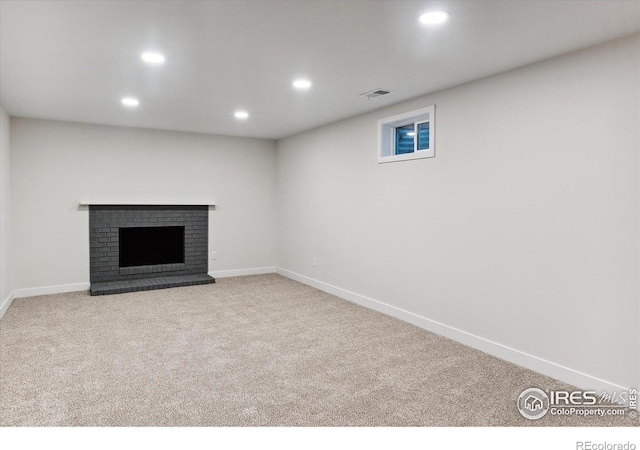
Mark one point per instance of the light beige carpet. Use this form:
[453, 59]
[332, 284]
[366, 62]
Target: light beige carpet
[259, 350]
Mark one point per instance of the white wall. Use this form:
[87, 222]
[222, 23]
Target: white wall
[523, 230]
[6, 285]
[57, 164]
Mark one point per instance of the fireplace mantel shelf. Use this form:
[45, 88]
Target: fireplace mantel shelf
[145, 202]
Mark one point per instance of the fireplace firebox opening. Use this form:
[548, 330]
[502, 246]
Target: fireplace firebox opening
[141, 246]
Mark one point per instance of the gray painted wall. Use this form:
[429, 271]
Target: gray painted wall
[522, 230]
[57, 164]
[6, 285]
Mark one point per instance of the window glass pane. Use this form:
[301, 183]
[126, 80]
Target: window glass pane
[423, 136]
[404, 139]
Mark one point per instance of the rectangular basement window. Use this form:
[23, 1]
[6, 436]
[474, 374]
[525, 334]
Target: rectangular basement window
[407, 136]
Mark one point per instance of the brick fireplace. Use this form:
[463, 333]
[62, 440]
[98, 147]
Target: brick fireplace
[144, 247]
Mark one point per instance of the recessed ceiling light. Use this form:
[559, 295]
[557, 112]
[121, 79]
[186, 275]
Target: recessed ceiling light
[153, 58]
[302, 84]
[434, 17]
[130, 101]
[411, 133]
[241, 114]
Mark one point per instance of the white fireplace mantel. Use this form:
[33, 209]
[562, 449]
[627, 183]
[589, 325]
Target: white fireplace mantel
[146, 202]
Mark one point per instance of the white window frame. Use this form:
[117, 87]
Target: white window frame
[387, 135]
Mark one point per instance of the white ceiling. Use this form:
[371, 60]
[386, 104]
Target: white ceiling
[75, 60]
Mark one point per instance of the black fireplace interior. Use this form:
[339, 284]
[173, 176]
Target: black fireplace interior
[142, 246]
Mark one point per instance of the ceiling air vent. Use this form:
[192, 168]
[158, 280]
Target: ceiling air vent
[375, 93]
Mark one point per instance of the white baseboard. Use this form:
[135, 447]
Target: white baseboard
[6, 303]
[241, 272]
[46, 290]
[62, 288]
[553, 370]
